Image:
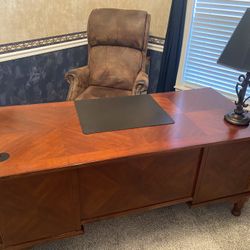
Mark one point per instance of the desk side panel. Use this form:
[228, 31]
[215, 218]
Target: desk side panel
[225, 172]
[128, 184]
[38, 207]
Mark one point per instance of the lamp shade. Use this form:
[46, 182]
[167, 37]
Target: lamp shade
[236, 54]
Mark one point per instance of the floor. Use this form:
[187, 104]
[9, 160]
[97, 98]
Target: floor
[171, 228]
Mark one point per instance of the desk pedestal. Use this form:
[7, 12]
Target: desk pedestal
[53, 205]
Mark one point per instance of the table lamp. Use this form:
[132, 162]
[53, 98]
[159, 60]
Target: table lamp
[236, 55]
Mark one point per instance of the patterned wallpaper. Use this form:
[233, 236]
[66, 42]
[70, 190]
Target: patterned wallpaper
[34, 19]
[40, 78]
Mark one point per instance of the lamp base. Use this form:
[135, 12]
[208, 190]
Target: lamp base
[237, 119]
[4, 156]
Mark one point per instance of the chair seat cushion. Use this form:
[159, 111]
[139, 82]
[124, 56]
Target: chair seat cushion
[93, 92]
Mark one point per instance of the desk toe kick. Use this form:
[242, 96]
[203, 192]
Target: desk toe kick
[47, 206]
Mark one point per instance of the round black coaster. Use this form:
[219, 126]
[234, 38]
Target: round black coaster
[4, 156]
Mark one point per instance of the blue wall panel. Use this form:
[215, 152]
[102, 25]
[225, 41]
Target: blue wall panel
[40, 78]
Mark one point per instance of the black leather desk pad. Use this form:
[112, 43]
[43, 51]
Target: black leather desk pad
[117, 113]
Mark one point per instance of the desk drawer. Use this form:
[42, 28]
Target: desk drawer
[132, 183]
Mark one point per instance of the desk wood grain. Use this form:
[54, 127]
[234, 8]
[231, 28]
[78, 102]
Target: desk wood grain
[57, 179]
[47, 137]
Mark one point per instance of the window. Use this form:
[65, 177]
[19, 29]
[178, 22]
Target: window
[208, 29]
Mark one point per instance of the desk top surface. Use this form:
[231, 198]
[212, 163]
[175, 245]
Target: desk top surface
[46, 137]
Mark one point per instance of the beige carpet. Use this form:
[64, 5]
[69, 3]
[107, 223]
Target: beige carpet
[171, 228]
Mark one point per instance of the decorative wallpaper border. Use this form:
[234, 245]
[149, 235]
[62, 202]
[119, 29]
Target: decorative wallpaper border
[36, 43]
[47, 41]
[156, 40]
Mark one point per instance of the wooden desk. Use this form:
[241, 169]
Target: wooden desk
[57, 179]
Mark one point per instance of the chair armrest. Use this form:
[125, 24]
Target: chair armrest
[141, 84]
[78, 81]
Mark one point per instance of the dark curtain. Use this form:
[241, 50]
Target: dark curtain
[172, 47]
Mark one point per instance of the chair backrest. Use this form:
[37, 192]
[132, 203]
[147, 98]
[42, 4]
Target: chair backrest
[117, 46]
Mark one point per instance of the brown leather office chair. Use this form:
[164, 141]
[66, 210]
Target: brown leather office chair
[117, 56]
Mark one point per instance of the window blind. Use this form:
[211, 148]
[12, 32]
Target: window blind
[213, 23]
